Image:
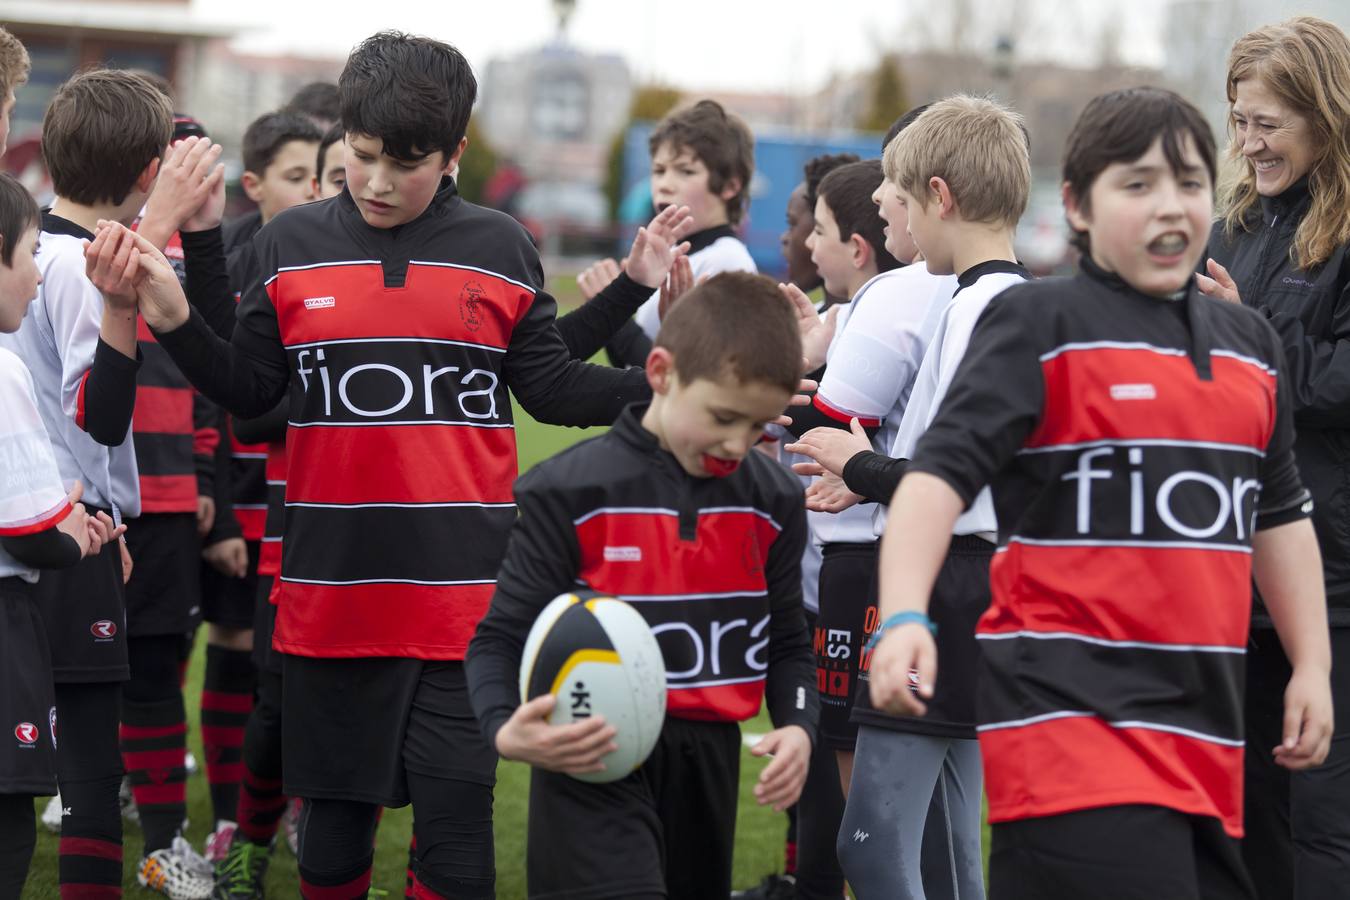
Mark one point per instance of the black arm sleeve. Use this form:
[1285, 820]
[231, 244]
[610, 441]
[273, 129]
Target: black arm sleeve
[993, 404]
[629, 346]
[1318, 365]
[264, 429]
[541, 562]
[110, 395]
[208, 280]
[225, 525]
[49, 548]
[874, 476]
[553, 387]
[790, 692]
[586, 329]
[1283, 499]
[205, 440]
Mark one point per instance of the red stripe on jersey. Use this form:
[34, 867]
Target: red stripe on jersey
[839, 415]
[252, 521]
[162, 410]
[44, 521]
[143, 332]
[79, 401]
[1175, 596]
[723, 703]
[330, 303]
[269, 556]
[400, 464]
[1097, 765]
[1107, 394]
[726, 557]
[168, 493]
[205, 441]
[372, 619]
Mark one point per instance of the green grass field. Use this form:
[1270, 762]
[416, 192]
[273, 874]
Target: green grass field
[759, 834]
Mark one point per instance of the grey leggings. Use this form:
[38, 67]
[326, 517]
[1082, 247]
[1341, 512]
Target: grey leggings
[911, 828]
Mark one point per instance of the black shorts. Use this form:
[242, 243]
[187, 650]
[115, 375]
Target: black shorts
[1116, 853]
[84, 613]
[352, 728]
[264, 626]
[229, 601]
[27, 698]
[164, 593]
[848, 613]
[666, 830]
[960, 597]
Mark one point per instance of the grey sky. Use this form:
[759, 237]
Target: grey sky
[787, 45]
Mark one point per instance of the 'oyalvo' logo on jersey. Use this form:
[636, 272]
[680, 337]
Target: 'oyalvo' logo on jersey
[103, 629]
[26, 732]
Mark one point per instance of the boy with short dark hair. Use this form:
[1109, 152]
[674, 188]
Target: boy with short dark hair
[102, 139]
[330, 172]
[1138, 438]
[681, 472]
[372, 627]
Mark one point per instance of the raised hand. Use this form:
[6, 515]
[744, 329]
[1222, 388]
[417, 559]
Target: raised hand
[158, 293]
[191, 186]
[112, 264]
[816, 332]
[1218, 283]
[679, 282]
[595, 277]
[657, 246]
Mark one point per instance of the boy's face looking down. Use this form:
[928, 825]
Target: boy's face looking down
[1146, 223]
[679, 178]
[898, 241]
[800, 220]
[19, 281]
[390, 191]
[334, 177]
[287, 181]
[835, 256]
[707, 425]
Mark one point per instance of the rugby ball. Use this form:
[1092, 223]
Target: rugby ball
[598, 656]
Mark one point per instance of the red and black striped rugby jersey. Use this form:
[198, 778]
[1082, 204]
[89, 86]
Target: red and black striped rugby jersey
[1133, 445]
[396, 349]
[712, 564]
[269, 554]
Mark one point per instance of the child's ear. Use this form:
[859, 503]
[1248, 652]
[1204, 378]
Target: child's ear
[860, 251]
[252, 185]
[660, 369]
[941, 194]
[730, 188]
[1073, 210]
[146, 180]
[452, 163]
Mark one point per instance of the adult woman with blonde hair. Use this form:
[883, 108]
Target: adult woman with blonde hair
[1282, 246]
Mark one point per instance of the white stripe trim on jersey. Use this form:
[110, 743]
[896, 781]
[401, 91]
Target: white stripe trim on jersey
[1131, 723]
[249, 505]
[385, 581]
[396, 340]
[271, 483]
[1110, 345]
[1105, 642]
[689, 685]
[412, 422]
[1144, 442]
[1249, 360]
[746, 509]
[1160, 545]
[498, 275]
[626, 511]
[310, 505]
[323, 265]
[248, 455]
[269, 539]
[675, 598]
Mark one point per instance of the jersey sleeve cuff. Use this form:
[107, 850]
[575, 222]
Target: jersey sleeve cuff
[1301, 508]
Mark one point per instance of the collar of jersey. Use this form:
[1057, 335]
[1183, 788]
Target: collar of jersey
[54, 224]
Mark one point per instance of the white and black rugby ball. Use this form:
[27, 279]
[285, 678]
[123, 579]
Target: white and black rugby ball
[598, 656]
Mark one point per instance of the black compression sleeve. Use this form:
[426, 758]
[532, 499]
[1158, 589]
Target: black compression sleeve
[874, 476]
[208, 279]
[224, 526]
[586, 329]
[264, 429]
[247, 376]
[629, 346]
[110, 395]
[789, 692]
[49, 548]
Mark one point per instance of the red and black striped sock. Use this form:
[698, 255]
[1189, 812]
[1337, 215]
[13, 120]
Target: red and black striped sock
[261, 804]
[353, 884]
[227, 698]
[154, 742]
[89, 862]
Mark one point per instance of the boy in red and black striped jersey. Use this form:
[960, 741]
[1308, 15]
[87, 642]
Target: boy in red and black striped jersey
[712, 536]
[396, 282]
[1138, 440]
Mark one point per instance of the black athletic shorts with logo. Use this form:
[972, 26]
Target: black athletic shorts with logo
[960, 596]
[229, 601]
[848, 614]
[667, 830]
[353, 728]
[27, 699]
[164, 593]
[84, 614]
[265, 657]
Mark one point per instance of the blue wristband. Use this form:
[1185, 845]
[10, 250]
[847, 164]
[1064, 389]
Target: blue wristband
[901, 618]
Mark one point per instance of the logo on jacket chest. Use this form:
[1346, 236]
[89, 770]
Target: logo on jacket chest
[471, 298]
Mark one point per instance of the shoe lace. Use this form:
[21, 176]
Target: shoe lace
[240, 866]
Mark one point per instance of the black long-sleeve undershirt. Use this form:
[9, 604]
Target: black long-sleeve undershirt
[110, 394]
[874, 476]
[49, 548]
[588, 328]
[264, 429]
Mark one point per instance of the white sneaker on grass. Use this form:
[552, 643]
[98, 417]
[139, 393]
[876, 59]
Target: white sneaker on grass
[51, 815]
[177, 871]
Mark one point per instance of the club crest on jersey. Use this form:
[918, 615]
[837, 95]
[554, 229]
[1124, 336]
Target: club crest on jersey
[469, 299]
[103, 630]
[27, 733]
[320, 302]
